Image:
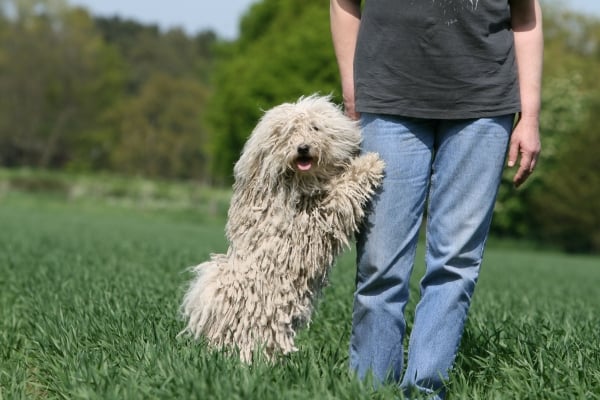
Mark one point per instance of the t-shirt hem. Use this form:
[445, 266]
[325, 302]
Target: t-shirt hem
[440, 114]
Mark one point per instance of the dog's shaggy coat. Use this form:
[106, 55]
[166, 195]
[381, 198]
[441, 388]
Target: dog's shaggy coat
[299, 195]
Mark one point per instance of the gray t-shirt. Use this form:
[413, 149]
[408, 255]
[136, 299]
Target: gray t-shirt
[441, 59]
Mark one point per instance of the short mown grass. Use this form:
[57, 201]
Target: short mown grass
[90, 290]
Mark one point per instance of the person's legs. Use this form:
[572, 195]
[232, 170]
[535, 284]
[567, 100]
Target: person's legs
[387, 242]
[467, 168]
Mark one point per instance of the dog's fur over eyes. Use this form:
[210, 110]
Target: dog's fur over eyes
[299, 195]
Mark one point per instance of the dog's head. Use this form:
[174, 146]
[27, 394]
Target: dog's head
[309, 138]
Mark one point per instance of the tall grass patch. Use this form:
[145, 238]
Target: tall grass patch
[89, 308]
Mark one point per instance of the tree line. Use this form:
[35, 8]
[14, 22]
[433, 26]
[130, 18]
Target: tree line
[92, 93]
[89, 93]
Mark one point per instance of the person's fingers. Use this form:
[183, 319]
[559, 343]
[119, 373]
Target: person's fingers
[533, 164]
[520, 177]
[513, 153]
[525, 168]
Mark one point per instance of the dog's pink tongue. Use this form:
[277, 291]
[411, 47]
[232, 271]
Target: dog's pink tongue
[304, 165]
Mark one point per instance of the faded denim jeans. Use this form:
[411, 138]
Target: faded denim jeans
[455, 167]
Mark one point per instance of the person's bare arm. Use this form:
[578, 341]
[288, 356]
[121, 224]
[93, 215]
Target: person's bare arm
[345, 21]
[526, 18]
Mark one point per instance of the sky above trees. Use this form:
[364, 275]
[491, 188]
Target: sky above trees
[223, 17]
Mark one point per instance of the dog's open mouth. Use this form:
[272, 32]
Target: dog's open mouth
[304, 163]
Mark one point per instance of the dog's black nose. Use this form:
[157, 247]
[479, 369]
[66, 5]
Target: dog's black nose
[303, 149]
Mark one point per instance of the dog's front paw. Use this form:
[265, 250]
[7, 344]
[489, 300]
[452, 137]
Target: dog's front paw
[371, 167]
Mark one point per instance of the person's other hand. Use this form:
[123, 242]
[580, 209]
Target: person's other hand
[525, 146]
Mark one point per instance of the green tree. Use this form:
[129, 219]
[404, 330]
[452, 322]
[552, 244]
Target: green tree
[160, 132]
[158, 126]
[66, 78]
[148, 51]
[284, 51]
[567, 208]
[57, 77]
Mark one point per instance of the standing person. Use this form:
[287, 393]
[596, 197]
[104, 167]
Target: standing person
[436, 85]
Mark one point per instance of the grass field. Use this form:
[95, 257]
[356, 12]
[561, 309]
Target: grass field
[89, 296]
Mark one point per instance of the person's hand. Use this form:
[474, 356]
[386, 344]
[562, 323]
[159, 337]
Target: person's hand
[524, 145]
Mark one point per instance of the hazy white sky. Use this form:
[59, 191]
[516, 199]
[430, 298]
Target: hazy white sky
[222, 16]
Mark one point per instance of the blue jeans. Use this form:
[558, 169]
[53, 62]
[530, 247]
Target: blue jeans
[455, 166]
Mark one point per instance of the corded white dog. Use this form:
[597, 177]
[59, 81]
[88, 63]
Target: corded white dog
[300, 191]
